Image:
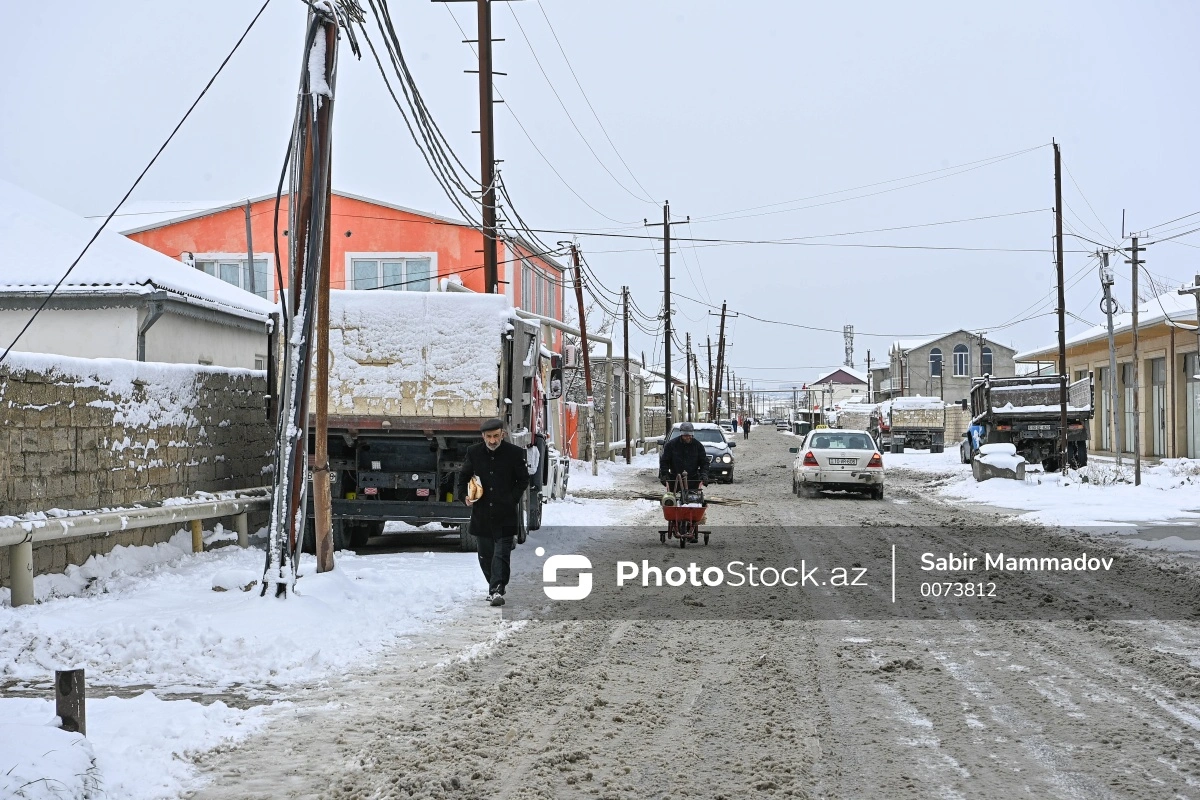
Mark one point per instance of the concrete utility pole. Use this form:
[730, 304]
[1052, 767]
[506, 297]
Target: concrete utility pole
[1062, 312]
[487, 152]
[1109, 306]
[869, 380]
[587, 363]
[1137, 411]
[712, 416]
[625, 306]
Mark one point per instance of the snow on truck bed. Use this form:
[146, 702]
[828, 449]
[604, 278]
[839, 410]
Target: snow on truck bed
[415, 353]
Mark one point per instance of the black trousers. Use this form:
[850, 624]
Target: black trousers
[494, 561]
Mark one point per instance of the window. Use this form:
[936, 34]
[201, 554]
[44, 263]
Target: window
[985, 361]
[234, 271]
[962, 361]
[539, 290]
[935, 362]
[260, 362]
[397, 274]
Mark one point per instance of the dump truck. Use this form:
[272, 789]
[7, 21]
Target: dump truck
[412, 375]
[912, 422]
[860, 417]
[1026, 412]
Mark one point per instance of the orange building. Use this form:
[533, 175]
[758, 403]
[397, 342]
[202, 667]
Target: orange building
[374, 245]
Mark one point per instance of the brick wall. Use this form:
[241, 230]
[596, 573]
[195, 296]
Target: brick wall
[83, 434]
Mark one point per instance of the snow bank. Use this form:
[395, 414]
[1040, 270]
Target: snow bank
[392, 348]
[39, 241]
[137, 748]
[149, 616]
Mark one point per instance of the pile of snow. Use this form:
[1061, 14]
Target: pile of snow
[1001, 455]
[916, 401]
[391, 348]
[138, 748]
[39, 241]
[149, 616]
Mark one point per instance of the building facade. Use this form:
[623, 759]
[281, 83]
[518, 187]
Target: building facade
[942, 367]
[1165, 376]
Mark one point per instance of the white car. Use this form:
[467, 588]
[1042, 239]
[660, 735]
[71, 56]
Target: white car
[836, 458]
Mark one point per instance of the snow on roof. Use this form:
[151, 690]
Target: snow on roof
[39, 241]
[1176, 307]
[851, 371]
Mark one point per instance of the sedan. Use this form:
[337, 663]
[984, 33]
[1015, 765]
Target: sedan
[846, 460]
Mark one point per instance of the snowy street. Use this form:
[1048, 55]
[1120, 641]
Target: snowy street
[406, 684]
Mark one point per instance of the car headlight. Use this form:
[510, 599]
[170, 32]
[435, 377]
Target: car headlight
[727, 458]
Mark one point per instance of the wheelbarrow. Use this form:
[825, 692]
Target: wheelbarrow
[684, 511]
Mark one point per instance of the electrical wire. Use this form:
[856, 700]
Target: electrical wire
[136, 181]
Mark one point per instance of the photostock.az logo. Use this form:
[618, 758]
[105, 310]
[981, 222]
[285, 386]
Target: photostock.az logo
[564, 562]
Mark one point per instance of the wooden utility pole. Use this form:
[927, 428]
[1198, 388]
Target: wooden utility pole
[667, 314]
[587, 362]
[487, 150]
[1115, 434]
[1137, 411]
[720, 364]
[1062, 312]
[322, 500]
[625, 337]
[712, 416]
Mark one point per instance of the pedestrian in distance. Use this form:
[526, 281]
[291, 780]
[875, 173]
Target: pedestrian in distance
[493, 477]
[746, 428]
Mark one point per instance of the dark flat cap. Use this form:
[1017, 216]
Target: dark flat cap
[493, 424]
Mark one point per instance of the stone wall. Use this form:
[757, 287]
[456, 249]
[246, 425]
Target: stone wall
[105, 433]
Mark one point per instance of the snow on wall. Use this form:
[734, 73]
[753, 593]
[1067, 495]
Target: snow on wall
[415, 353]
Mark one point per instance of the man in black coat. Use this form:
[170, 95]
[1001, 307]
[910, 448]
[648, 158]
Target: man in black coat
[746, 427]
[501, 468]
[683, 454]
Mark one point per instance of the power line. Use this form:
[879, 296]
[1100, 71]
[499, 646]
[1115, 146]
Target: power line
[138, 180]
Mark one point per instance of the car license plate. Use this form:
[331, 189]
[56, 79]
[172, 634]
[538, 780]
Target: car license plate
[1040, 427]
[843, 462]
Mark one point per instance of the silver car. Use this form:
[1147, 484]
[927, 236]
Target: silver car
[836, 458]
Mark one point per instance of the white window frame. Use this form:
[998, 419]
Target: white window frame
[434, 273]
[545, 286]
[962, 358]
[272, 289]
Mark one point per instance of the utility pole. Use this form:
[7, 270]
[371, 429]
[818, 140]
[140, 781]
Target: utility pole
[667, 313]
[1137, 415]
[712, 414]
[720, 362]
[1109, 306]
[1062, 312]
[625, 337]
[587, 363]
[869, 382]
[687, 377]
[1194, 291]
[487, 154]
[251, 283]
[981, 353]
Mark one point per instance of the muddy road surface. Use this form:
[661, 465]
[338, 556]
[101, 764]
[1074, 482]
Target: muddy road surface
[819, 702]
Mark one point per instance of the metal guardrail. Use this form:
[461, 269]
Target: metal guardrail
[21, 536]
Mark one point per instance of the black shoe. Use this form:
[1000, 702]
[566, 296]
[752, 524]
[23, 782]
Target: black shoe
[497, 599]
[489, 597]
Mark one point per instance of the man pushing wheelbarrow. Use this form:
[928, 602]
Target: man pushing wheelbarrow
[683, 469]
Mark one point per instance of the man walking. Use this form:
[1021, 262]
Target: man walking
[683, 454]
[499, 467]
[746, 427]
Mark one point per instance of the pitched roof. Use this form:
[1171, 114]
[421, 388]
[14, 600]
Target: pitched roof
[854, 376]
[40, 240]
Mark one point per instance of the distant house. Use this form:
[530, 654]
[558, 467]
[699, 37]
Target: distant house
[122, 300]
[837, 386]
[942, 366]
[374, 245]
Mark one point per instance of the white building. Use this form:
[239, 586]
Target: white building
[122, 300]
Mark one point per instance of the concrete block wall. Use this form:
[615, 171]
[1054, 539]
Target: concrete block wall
[107, 433]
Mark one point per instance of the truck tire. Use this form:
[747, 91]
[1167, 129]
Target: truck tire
[897, 447]
[466, 541]
[1050, 464]
[1077, 451]
[341, 538]
[535, 509]
[522, 521]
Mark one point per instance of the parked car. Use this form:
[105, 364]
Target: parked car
[841, 459]
[718, 448]
[782, 425]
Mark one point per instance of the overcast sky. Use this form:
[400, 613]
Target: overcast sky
[760, 114]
